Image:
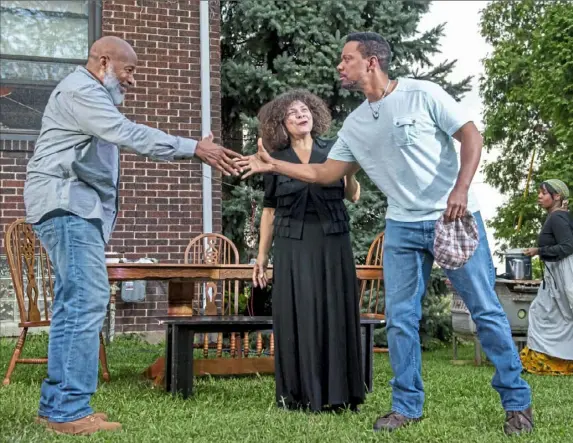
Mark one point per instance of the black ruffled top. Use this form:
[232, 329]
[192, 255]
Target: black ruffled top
[294, 199]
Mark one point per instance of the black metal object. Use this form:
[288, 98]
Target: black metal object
[180, 332]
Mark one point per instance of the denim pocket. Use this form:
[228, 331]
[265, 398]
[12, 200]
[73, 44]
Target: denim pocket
[46, 232]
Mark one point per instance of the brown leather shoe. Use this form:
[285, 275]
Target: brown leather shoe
[84, 426]
[518, 422]
[41, 420]
[392, 421]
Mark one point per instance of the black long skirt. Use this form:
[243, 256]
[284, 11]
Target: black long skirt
[316, 321]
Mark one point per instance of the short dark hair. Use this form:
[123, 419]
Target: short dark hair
[371, 44]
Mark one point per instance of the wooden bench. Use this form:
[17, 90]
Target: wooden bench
[180, 332]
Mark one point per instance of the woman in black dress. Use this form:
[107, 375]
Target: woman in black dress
[316, 316]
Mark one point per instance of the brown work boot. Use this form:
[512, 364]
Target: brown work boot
[84, 426]
[392, 421]
[518, 422]
[41, 420]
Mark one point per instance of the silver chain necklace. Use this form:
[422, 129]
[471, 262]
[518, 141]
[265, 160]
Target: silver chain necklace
[376, 114]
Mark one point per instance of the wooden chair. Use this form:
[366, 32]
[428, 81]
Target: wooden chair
[33, 282]
[372, 291]
[218, 249]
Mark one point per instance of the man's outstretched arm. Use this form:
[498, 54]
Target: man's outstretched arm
[96, 115]
[321, 173]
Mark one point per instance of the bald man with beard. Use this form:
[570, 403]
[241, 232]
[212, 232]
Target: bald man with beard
[71, 199]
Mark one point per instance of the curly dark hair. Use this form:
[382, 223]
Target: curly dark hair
[272, 115]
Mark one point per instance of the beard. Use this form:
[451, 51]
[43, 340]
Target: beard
[111, 83]
[351, 86]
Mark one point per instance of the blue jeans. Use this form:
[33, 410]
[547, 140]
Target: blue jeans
[408, 260]
[81, 294]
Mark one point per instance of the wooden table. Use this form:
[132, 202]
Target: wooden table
[181, 280]
[168, 271]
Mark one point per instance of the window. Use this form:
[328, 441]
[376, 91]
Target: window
[40, 43]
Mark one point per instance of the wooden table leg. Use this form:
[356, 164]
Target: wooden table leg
[168, 357]
[180, 295]
[368, 351]
[110, 332]
[477, 351]
[181, 361]
[179, 302]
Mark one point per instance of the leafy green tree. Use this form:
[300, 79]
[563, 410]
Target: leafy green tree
[527, 91]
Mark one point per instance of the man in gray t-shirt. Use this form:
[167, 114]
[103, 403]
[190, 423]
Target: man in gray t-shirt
[402, 136]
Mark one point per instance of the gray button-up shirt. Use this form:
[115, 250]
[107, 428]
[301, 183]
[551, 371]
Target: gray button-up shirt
[75, 165]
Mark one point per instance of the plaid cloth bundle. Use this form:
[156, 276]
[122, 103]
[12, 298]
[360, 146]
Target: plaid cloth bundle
[455, 242]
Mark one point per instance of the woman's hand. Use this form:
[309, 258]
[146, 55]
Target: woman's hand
[260, 162]
[530, 252]
[260, 271]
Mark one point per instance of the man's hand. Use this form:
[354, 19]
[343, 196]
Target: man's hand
[457, 204]
[256, 163]
[531, 252]
[217, 156]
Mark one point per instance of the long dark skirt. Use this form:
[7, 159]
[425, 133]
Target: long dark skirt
[316, 321]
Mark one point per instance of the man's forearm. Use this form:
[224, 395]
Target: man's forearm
[321, 173]
[158, 145]
[470, 154]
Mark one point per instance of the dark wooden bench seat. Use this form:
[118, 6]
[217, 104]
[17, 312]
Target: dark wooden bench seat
[180, 332]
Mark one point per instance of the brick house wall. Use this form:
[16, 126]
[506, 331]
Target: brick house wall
[161, 203]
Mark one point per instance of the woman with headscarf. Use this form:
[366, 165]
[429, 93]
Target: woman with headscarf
[316, 315]
[549, 347]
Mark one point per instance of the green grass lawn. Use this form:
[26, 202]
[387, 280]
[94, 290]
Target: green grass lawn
[460, 405]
